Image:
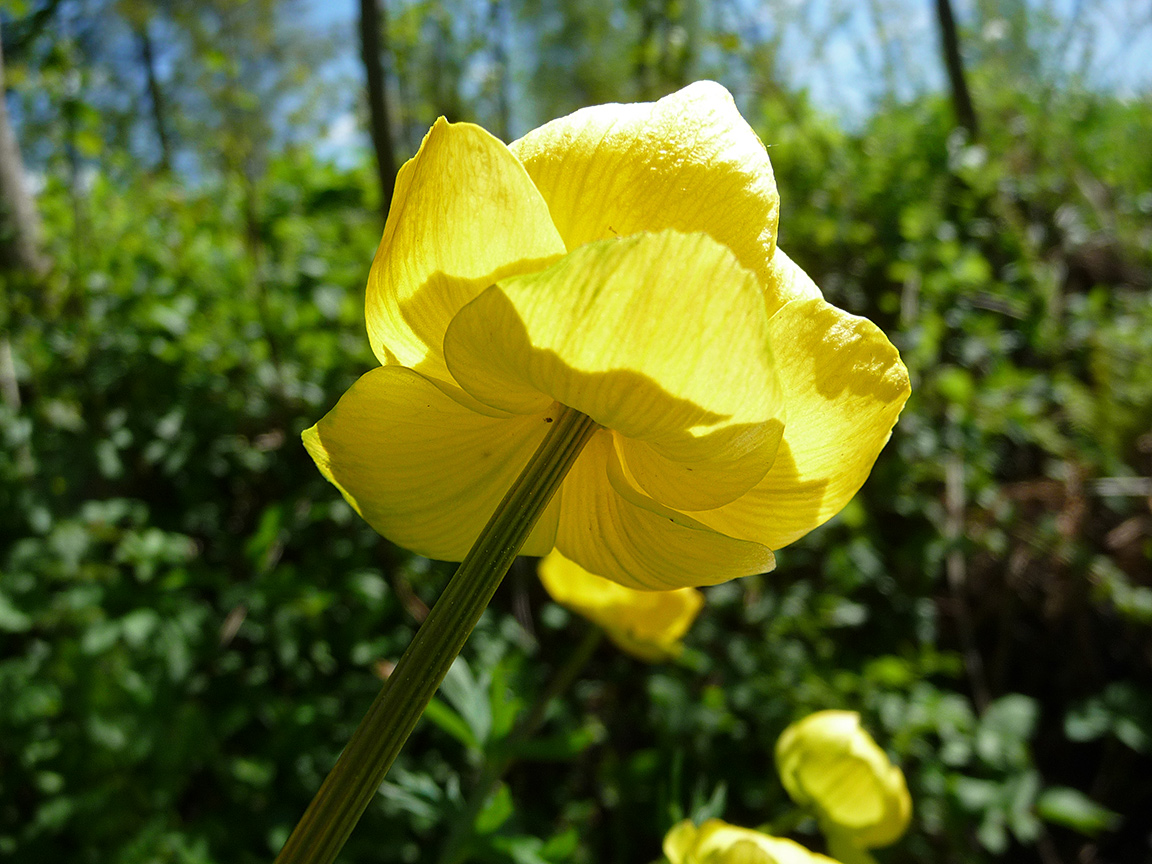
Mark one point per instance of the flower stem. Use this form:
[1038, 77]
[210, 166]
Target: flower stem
[350, 785]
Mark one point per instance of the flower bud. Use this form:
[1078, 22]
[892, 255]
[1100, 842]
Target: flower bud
[646, 624]
[828, 763]
[717, 842]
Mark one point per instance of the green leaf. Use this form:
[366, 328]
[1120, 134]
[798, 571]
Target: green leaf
[1022, 820]
[497, 810]
[503, 704]
[974, 794]
[1071, 808]
[521, 849]
[992, 834]
[1087, 721]
[12, 620]
[469, 696]
[1122, 710]
[713, 808]
[561, 846]
[1007, 724]
[449, 721]
[558, 748]
[418, 795]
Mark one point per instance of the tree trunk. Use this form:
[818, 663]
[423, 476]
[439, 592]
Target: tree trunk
[19, 219]
[148, 59]
[20, 255]
[950, 44]
[371, 33]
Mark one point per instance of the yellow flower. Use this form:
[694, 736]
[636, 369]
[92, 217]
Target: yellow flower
[621, 261]
[829, 763]
[646, 624]
[717, 842]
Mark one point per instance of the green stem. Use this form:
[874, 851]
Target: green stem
[349, 787]
[497, 764]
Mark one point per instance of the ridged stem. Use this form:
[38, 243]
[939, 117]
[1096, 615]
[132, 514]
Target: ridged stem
[350, 785]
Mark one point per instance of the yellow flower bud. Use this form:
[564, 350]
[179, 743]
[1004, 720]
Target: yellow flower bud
[830, 764]
[717, 842]
[646, 624]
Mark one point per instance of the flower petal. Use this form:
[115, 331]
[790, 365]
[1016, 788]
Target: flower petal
[788, 282]
[688, 162]
[645, 624]
[610, 529]
[828, 762]
[660, 337]
[717, 842]
[680, 841]
[424, 471]
[464, 214]
[845, 387]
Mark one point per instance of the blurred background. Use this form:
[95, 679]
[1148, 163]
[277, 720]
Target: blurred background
[191, 619]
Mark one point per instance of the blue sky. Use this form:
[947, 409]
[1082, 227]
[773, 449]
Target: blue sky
[844, 70]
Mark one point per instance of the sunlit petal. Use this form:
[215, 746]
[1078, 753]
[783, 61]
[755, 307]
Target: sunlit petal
[610, 529]
[464, 214]
[688, 162]
[828, 762]
[679, 841]
[788, 282]
[717, 842]
[845, 387]
[603, 330]
[424, 471]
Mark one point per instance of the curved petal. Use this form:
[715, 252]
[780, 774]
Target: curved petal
[688, 162]
[787, 282]
[680, 841]
[609, 529]
[660, 337]
[646, 624]
[845, 387]
[463, 215]
[830, 763]
[717, 842]
[421, 469]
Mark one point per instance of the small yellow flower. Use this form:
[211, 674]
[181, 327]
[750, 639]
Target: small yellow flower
[646, 624]
[829, 763]
[621, 261]
[717, 842]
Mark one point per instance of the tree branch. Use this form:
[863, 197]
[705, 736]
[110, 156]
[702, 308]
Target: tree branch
[950, 45]
[370, 50]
